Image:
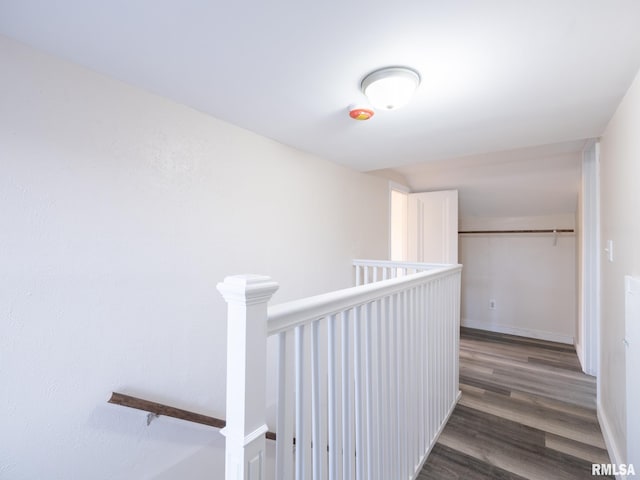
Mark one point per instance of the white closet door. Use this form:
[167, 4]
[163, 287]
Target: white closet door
[433, 227]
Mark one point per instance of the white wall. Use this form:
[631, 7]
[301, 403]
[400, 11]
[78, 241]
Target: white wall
[620, 222]
[120, 213]
[532, 282]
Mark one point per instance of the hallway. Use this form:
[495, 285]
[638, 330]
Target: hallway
[526, 411]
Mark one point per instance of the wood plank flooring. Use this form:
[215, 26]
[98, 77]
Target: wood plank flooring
[526, 412]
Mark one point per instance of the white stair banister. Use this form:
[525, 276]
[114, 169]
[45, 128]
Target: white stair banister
[367, 376]
[247, 297]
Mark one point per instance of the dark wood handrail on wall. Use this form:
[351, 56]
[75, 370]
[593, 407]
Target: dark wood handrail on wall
[167, 411]
[557, 230]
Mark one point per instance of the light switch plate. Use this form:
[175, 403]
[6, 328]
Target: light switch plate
[609, 250]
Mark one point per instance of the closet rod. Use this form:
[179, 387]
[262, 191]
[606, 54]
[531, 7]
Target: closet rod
[557, 230]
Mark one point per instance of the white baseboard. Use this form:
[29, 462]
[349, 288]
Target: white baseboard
[612, 447]
[522, 332]
[579, 352]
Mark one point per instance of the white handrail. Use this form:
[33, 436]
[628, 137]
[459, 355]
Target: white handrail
[398, 264]
[368, 271]
[286, 316]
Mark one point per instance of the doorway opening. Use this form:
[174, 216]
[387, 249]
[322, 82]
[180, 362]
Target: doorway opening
[398, 225]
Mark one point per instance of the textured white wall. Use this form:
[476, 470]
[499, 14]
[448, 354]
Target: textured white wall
[620, 222]
[532, 281]
[120, 213]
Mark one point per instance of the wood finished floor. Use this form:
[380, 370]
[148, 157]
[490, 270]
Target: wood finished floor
[526, 411]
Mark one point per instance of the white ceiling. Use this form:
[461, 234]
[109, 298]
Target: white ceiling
[536, 181]
[497, 74]
[510, 91]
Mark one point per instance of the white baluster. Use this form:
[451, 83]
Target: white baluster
[332, 394]
[358, 397]
[456, 367]
[347, 441]
[369, 400]
[417, 374]
[448, 320]
[402, 383]
[422, 345]
[412, 415]
[432, 359]
[285, 406]
[395, 396]
[316, 405]
[440, 316]
[301, 432]
[380, 389]
[392, 387]
[413, 382]
[247, 297]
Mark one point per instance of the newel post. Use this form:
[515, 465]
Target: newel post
[247, 297]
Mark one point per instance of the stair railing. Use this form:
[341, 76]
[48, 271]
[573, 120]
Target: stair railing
[367, 376]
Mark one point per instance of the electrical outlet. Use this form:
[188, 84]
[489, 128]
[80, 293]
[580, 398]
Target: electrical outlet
[492, 304]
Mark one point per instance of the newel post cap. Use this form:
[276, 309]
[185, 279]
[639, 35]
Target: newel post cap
[247, 289]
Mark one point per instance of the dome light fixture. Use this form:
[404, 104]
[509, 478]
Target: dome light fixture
[390, 87]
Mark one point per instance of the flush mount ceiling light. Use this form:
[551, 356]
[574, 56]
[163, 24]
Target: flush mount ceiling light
[390, 87]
